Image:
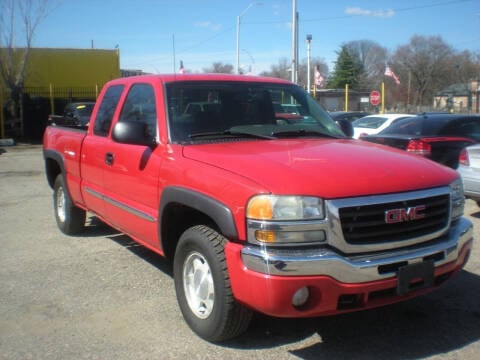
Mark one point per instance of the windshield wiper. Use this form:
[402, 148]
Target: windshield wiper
[301, 132]
[229, 133]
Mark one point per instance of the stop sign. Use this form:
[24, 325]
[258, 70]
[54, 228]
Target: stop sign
[375, 97]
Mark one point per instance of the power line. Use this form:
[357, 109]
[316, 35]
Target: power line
[410, 8]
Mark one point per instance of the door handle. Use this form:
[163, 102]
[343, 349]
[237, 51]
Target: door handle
[109, 159]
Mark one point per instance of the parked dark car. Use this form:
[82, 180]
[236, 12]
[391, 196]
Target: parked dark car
[75, 114]
[439, 137]
[348, 115]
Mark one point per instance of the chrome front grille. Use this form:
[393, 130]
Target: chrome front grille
[359, 224]
[366, 224]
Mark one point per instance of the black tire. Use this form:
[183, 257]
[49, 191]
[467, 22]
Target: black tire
[70, 219]
[207, 302]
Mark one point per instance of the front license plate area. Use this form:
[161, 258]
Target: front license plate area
[415, 276]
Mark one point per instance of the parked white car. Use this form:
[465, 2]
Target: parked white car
[373, 124]
[469, 169]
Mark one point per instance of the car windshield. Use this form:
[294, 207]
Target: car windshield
[370, 122]
[218, 111]
[84, 109]
[408, 126]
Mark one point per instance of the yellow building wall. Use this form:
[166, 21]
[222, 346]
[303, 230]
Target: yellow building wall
[71, 67]
[53, 72]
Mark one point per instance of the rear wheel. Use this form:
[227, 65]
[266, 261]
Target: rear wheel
[203, 286]
[70, 219]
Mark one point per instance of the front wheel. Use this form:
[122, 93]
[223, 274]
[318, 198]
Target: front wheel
[70, 219]
[203, 286]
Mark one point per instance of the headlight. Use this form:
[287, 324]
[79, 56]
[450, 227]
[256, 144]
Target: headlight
[286, 220]
[274, 207]
[457, 199]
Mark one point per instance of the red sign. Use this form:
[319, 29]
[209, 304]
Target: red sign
[375, 98]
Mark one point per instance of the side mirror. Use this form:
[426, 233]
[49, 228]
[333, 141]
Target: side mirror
[133, 133]
[346, 126]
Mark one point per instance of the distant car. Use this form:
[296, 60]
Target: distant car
[75, 114]
[373, 124]
[469, 169]
[288, 113]
[348, 115]
[80, 112]
[439, 137]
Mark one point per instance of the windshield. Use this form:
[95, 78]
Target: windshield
[370, 122]
[408, 126]
[84, 109]
[214, 111]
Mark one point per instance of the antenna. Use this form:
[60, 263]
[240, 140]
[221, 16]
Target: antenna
[174, 61]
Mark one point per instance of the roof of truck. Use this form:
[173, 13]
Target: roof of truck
[165, 78]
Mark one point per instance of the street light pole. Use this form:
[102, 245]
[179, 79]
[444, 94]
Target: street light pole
[309, 40]
[237, 66]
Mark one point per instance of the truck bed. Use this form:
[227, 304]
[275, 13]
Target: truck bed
[67, 140]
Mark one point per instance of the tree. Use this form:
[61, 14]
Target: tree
[372, 58]
[426, 62]
[348, 70]
[17, 17]
[281, 70]
[303, 70]
[219, 67]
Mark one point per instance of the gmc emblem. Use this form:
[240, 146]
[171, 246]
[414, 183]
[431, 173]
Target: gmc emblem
[394, 216]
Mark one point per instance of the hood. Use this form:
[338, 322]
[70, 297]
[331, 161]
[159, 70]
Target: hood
[326, 168]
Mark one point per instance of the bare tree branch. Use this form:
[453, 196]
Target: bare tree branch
[17, 17]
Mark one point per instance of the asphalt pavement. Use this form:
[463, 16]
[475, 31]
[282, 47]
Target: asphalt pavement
[101, 296]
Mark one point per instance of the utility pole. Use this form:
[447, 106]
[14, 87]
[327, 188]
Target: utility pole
[294, 41]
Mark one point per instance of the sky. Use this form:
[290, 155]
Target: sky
[155, 35]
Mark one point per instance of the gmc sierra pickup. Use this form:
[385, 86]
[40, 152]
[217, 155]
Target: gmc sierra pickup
[258, 210]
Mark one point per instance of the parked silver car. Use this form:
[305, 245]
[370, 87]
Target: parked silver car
[469, 169]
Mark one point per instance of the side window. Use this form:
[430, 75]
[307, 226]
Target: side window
[140, 106]
[474, 131]
[104, 117]
[469, 129]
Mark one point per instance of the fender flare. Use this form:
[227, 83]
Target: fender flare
[57, 157]
[219, 212]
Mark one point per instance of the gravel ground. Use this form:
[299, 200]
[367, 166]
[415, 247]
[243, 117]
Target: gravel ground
[100, 296]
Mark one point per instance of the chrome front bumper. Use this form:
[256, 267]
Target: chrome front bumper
[359, 268]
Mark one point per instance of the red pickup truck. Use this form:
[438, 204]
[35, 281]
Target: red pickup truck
[257, 211]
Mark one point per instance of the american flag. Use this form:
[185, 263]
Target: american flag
[319, 80]
[390, 73]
